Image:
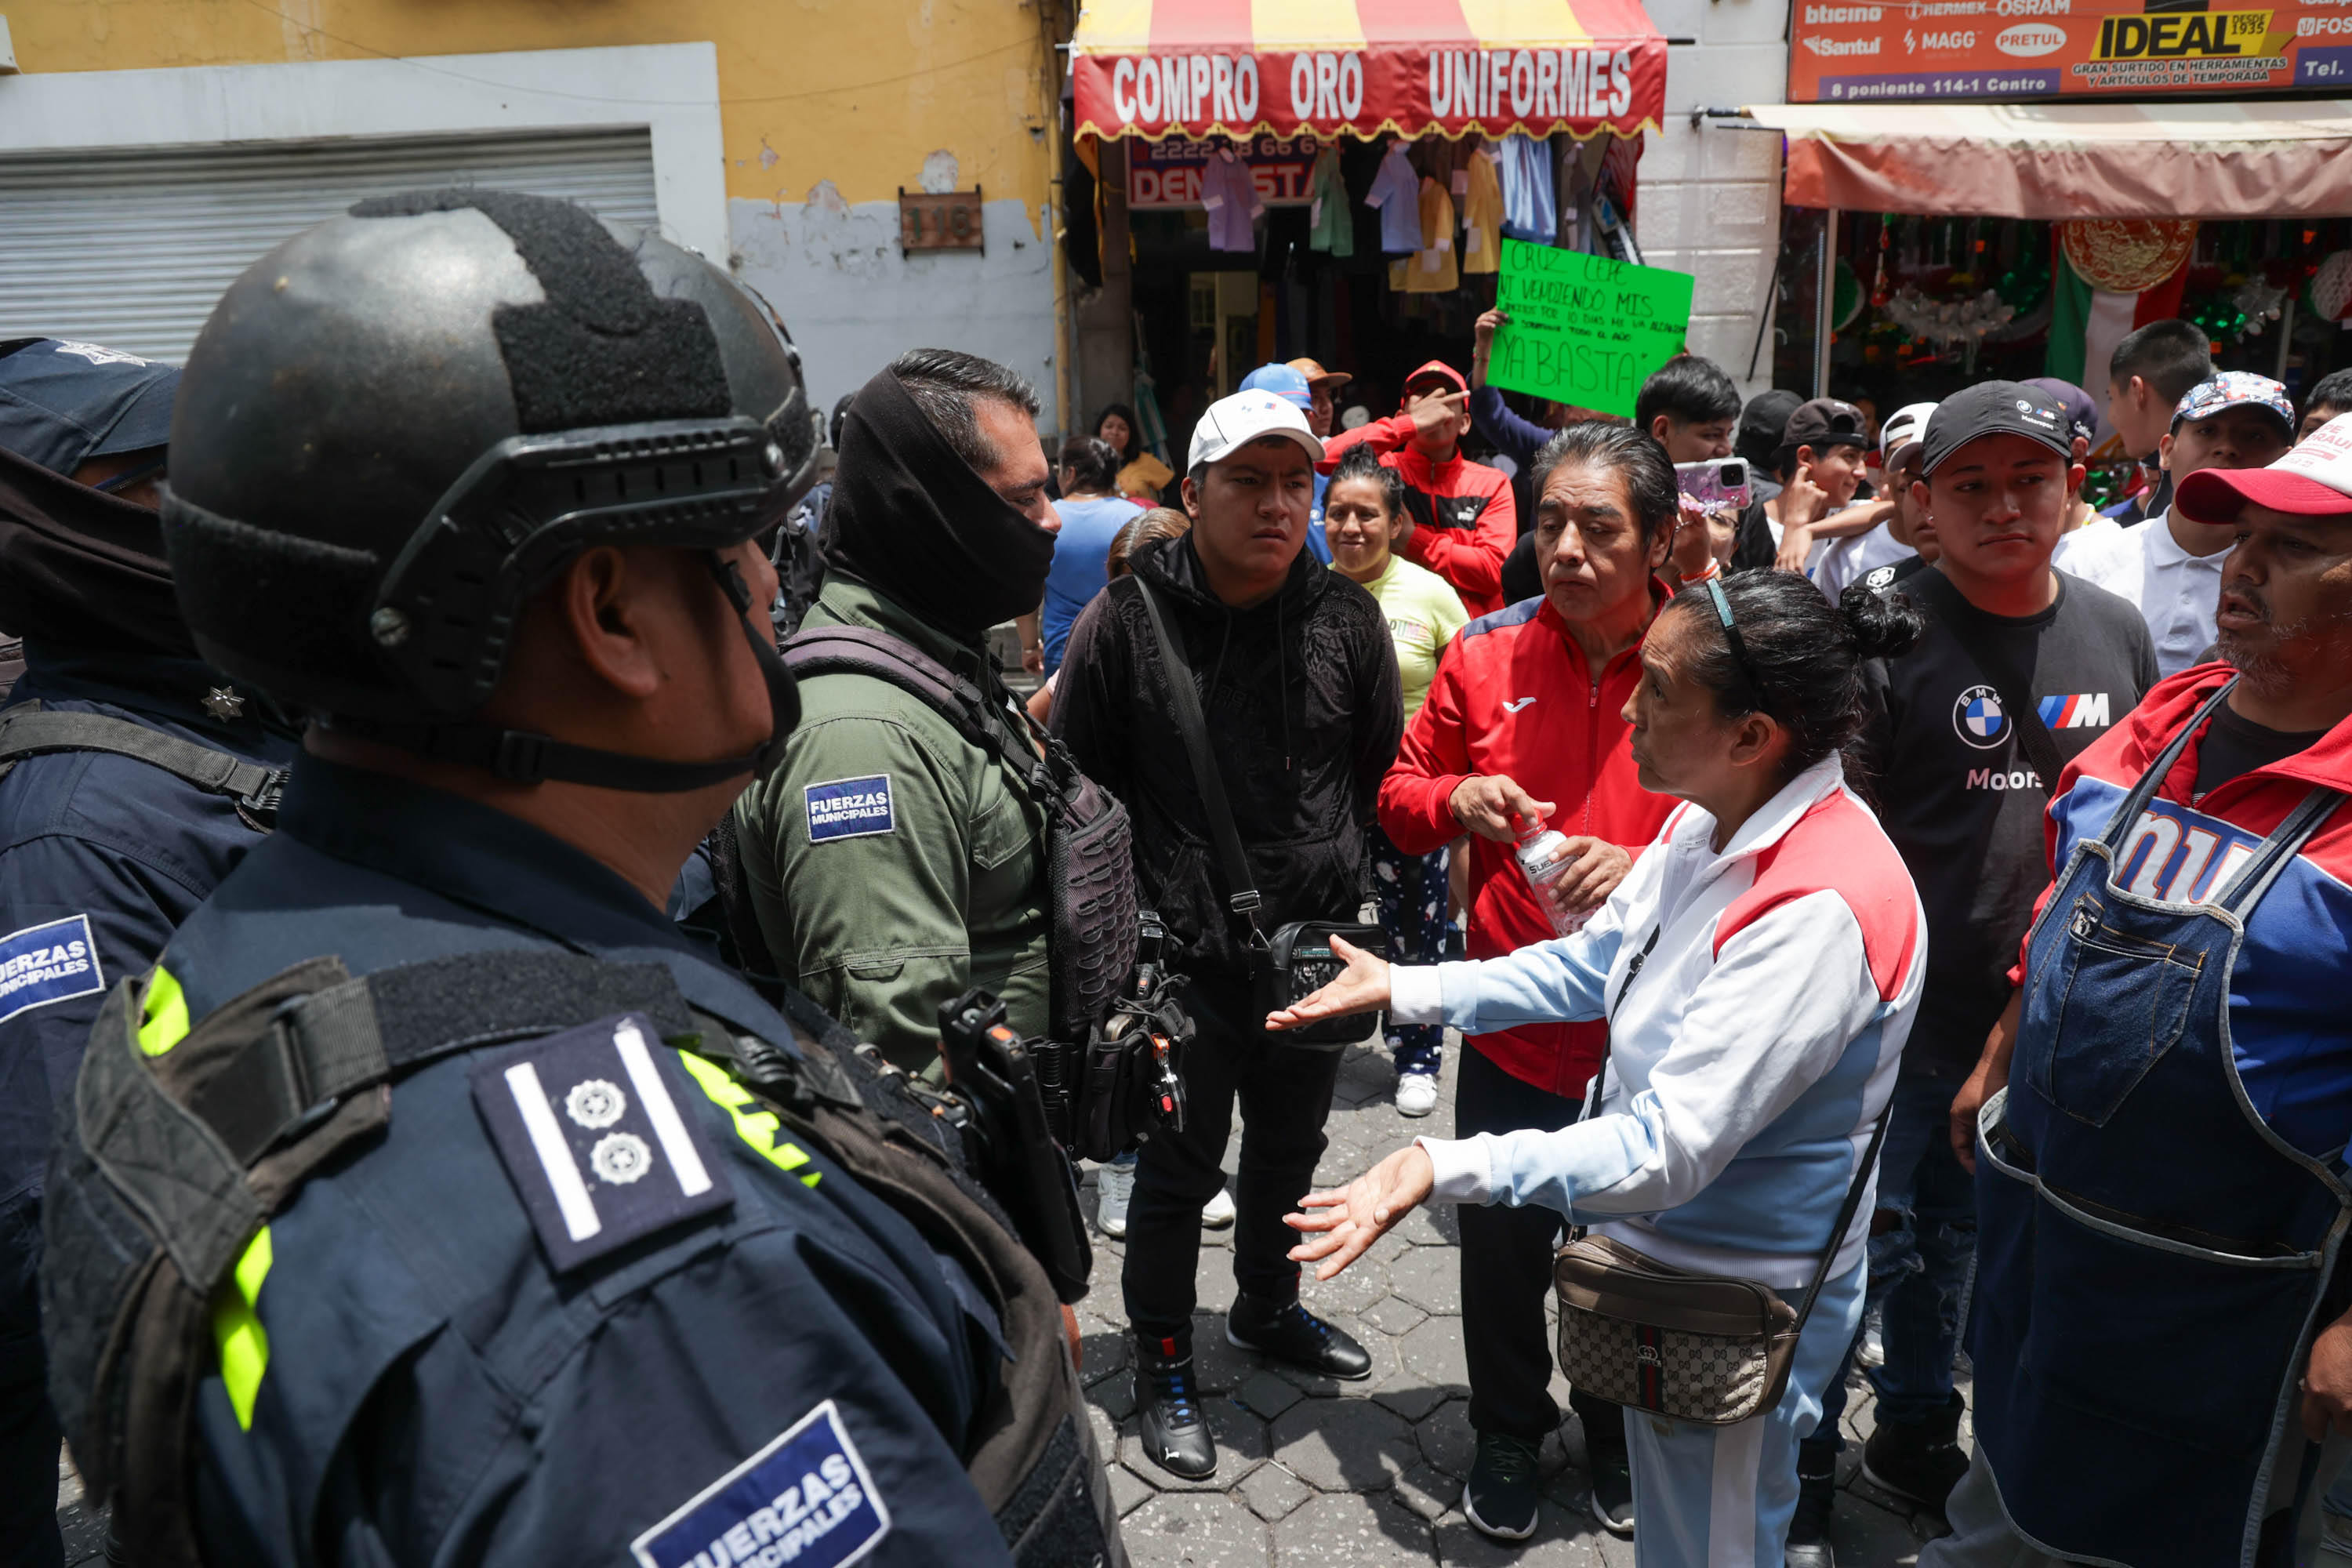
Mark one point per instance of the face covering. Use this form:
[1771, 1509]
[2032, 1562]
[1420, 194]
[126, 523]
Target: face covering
[911, 518]
[81, 569]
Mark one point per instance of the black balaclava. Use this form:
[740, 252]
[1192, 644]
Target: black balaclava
[80, 568]
[910, 518]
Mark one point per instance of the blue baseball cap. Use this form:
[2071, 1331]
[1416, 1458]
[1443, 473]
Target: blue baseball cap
[1283, 381]
[63, 401]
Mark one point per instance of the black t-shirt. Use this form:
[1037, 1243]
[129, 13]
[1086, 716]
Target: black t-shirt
[2233, 746]
[1959, 798]
[1521, 580]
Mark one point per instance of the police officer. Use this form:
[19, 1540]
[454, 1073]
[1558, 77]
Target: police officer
[474, 1214]
[133, 777]
[896, 856]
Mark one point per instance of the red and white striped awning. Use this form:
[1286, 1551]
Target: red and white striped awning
[2253, 158]
[1243, 67]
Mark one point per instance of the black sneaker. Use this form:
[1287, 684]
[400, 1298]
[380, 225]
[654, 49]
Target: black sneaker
[1808, 1527]
[1289, 1331]
[1610, 1501]
[1174, 1430]
[1921, 1462]
[1500, 1497]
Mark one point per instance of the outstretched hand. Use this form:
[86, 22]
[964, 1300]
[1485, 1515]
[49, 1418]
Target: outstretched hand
[1341, 1224]
[1361, 987]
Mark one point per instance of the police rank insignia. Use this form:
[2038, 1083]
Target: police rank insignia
[805, 1499]
[588, 1125]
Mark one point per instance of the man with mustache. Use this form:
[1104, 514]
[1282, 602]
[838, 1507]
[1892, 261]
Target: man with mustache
[2020, 670]
[2158, 1123]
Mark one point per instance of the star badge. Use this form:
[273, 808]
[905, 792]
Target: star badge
[224, 703]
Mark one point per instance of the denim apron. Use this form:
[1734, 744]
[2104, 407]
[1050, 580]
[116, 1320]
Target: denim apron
[2153, 1259]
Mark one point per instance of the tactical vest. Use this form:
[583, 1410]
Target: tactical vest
[166, 1166]
[1089, 841]
[29, 730]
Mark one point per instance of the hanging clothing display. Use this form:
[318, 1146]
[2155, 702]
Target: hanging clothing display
[1229, 190]
[1482, 212]
[1530, 207]
[1431, 269]
[1393, 194]
[1330, 224]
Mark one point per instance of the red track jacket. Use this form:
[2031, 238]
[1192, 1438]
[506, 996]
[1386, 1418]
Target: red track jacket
[1465, 521]
[1513, 696]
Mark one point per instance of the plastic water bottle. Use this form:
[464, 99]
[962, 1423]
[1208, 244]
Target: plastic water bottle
[1544, 858]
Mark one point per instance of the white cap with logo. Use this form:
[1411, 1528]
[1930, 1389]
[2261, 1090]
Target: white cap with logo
[1903, 429]
[1232, 423]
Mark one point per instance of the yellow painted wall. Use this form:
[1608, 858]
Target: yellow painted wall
[855, 91]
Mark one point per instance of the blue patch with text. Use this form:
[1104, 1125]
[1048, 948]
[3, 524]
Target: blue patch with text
[849, 808]
[45, 963]
[805, 1501]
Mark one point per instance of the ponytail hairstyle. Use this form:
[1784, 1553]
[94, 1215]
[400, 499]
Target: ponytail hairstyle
[1799, 658]
[1360, 462]
[1148, 528]
[1092, 464]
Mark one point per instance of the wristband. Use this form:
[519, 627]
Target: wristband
[1714, 570]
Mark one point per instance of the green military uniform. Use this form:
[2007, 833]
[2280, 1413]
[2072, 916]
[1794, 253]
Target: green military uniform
[891, 864]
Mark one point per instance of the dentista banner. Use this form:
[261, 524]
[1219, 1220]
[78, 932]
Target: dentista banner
[2006, 51]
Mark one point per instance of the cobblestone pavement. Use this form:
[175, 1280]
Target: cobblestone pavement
[1314, 1471]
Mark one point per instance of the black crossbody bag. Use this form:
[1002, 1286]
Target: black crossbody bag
[1297, 959]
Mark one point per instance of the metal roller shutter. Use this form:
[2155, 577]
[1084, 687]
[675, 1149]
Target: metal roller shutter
[132, 248]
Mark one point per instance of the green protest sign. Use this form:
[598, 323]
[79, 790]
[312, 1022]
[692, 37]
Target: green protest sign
[1585, 329]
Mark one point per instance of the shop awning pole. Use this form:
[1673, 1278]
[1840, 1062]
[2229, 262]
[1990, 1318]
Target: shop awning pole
[1825, 300]
[2286, 337]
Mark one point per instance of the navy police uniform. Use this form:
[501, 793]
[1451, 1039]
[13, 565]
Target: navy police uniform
[755, 1361]
[101, 858]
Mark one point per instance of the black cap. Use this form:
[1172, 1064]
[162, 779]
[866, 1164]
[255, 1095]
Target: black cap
[1825, 422]
[1995, 408]
[63, 402]
[1760, 424]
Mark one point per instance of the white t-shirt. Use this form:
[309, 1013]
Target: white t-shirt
[2176, 593]
[1848, 560]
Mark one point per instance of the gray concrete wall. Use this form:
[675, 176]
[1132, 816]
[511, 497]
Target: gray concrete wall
[1709, 200]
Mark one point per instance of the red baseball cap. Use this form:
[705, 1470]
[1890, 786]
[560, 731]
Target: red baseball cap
[2314, 479]
[1439, 369]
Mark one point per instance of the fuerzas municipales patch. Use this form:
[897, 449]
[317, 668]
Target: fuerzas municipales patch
[588, 1126]
[805, 1501]
[849, 808]
[45, 963]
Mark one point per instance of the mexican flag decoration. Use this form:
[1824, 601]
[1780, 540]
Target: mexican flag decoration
[2112, 275]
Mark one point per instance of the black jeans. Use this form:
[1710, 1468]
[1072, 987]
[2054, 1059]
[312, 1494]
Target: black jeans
[1507, 1276]
[1284, 1092]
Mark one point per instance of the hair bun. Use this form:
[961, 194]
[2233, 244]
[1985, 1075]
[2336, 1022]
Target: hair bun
[1884, 625]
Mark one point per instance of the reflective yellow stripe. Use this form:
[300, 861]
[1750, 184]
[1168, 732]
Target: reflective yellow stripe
[163, 1015]
[756, 1127]
[238, 1331]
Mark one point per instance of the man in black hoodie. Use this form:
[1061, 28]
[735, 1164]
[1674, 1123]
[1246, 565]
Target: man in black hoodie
[105, 845]
[1298, 683]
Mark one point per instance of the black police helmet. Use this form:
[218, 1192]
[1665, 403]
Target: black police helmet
[402, 422]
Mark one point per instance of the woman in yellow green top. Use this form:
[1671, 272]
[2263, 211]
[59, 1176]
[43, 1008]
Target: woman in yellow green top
[1362, 510]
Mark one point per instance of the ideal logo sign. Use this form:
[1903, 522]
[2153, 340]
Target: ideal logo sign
[2215, 35]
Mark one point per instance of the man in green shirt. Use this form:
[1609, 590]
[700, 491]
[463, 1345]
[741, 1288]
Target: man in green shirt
[892, 863]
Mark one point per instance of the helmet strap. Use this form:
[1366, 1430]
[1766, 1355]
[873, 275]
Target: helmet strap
[528, 757]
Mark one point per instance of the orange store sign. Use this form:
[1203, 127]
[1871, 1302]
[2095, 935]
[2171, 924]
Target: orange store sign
[2008, 50]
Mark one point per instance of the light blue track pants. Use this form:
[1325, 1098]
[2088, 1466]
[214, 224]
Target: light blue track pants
[1720, 1497]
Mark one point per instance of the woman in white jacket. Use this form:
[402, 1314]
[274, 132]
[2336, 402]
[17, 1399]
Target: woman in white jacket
[1761, 967]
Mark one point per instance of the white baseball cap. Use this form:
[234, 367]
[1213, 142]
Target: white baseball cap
[2314, 479]
[1232, 423]
[1903, 428]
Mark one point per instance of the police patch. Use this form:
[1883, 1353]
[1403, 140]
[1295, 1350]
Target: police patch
[45, 963]
[805, 1499]
[849, 808]
[588, 1126]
